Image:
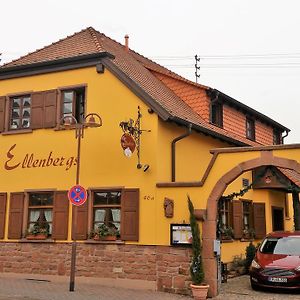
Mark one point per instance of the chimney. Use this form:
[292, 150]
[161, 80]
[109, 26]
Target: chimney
[126, 42]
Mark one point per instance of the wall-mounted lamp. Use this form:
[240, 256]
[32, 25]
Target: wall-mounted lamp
[145, 167]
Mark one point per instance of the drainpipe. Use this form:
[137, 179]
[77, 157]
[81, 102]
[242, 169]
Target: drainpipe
[173, 147]
[283, 137]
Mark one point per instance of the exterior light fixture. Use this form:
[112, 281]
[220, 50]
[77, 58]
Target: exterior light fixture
[70, 122]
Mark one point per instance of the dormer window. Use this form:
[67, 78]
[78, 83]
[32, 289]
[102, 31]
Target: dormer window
[277, 138]
[250, 129]
[216, 114]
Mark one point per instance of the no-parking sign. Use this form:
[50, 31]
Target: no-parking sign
[77, 195]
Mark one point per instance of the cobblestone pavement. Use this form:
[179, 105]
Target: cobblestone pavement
[22, 287]
[239, 288]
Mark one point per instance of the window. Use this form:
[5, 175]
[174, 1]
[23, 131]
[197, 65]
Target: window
[20, 112]
[48, 211]
[107, 209]
[73, 103]
[250, 129]
[248, 219]
[225, 213]
[40, 211]
[216, 114]
[277, 139]
[247, 214]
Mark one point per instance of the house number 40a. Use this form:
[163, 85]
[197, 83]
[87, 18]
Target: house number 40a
[148, 197]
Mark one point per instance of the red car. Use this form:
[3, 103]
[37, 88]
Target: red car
[277, 262]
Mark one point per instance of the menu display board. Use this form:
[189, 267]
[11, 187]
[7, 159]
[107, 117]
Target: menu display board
[181, 234]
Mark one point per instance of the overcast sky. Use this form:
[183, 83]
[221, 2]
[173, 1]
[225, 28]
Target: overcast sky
[248, 49]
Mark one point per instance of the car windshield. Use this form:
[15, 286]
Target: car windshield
[282, 245]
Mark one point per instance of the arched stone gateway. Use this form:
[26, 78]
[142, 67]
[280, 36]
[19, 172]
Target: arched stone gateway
[209, 225]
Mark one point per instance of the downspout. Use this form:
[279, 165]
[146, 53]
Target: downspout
[284, 136]
[173, 147]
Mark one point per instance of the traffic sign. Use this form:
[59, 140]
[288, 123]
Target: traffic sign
[77, 195]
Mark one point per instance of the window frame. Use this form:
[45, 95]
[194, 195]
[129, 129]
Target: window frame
[225, 209]
[10, 117]
[73, 88]
[28, 207]
[93, 207]
[277, 137]
[250, 128]
[216, 113]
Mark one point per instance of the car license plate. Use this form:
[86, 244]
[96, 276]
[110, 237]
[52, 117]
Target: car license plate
[277, 279]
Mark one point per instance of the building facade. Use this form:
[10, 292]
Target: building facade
[154, 147]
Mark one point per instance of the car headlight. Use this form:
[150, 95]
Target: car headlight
[255, 265]
[297, 269]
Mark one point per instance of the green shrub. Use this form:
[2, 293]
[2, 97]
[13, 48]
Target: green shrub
[196, 268]
[250, 254]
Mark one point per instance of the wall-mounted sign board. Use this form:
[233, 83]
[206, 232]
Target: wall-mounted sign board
[181, 235]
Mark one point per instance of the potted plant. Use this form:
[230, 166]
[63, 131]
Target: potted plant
[105, 233]
[199, 288]
[226, 233]
[249, 234]
[37, 232]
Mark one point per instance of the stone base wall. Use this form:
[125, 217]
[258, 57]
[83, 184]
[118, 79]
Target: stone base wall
[167, 267]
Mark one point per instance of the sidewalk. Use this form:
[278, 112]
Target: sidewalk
[41, 287]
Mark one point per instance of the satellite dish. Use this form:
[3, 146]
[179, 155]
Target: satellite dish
[127, 152]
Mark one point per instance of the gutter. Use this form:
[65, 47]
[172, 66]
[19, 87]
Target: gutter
[241, 106]
[173, 150]
[53, 65]
[284, 136]
[208, 132]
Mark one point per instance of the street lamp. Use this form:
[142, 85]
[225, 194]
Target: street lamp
[70, 122]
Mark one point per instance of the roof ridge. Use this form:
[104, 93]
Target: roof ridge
[45, 47]
[93, 32]
[175, 75]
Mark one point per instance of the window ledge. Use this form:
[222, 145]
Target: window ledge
[227, 241]
[246, 240]
[90, 241]
[17, 131]
[24, 240]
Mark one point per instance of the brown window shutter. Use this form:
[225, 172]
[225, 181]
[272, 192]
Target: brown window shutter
[3, 198]
[60, 216]
[37, 110]
[2, 113]
[50, 108]
[16, 210]
[237, 218]
[130, 215]
[259, 219]
[82, 222]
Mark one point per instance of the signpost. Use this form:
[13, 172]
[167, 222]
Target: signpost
[77, 194]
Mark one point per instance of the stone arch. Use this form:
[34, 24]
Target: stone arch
[210, 224]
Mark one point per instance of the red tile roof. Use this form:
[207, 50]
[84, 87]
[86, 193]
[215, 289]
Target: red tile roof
[178, 96]
[291, 175]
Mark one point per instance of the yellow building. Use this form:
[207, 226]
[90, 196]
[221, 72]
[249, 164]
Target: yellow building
[154, 147]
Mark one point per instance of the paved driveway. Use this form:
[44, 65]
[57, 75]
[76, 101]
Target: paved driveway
[239, 288]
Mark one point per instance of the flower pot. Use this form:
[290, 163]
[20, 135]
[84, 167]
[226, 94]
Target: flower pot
[199, 291]
[108, 238]
[105, 238]
[36, 237]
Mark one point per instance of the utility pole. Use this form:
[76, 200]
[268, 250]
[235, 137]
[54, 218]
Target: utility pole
[197, 60]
